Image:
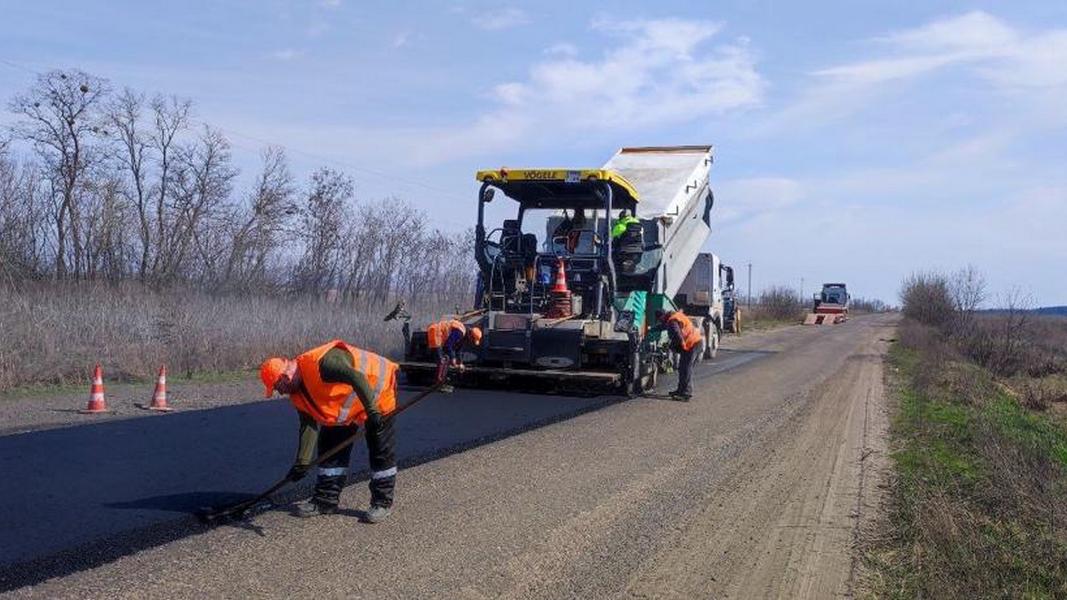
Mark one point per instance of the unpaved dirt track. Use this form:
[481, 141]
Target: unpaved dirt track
[753, 489]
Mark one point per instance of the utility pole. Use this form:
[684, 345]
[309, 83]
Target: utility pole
[750, 285]
[801, 289]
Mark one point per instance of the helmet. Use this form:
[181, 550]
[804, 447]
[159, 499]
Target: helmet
[476, 335]
[269, 372]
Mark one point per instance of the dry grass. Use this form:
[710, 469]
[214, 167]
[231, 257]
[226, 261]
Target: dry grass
[55, 333]
[979, 499]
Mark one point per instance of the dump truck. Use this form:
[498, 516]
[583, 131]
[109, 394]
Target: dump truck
[829, 306]
[568, 287]
[701, 295]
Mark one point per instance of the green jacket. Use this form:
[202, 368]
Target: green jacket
[620, 225]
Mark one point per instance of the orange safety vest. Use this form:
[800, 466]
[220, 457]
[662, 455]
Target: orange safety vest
[337, 403]
[690, 334]
[437, 333]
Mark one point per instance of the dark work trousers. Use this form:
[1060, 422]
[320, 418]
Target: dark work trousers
[333, 472]
[686, 360]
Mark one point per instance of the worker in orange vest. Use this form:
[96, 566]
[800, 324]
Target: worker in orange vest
[446, 337]
[685, 340]
[336, 388]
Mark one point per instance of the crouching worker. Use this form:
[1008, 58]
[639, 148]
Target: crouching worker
[685, 340]
[335, 389]
[447, 336]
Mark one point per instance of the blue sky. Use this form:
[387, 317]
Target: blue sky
[854, 141]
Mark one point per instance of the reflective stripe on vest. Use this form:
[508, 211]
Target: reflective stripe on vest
[375, 395]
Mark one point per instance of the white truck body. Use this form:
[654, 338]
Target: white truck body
[674, 194]
[702, 287]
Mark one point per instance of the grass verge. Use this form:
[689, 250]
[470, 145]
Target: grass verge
[978, 503]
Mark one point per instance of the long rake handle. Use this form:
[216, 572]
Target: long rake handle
[246, 504]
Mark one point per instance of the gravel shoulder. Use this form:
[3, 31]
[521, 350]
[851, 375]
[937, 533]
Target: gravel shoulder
[759, 487]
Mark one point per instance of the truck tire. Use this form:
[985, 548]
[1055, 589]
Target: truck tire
[711, 343]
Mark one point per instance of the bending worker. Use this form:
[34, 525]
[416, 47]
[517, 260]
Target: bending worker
[685, 340]
[447, 337]
[335, 389]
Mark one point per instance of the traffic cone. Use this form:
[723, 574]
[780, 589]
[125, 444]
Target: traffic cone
[559, 306]
[560, 285]
[159, 398]
[97, 404]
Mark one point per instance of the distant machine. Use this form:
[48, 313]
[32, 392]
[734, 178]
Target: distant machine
[830, 306]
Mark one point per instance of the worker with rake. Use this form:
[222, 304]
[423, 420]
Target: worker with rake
[447, 336]
[685, 340]
[336, 388]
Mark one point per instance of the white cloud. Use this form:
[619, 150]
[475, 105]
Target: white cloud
[498, 19]
[1026, 67]
[655, 73]
[401, 39]
[330, 3]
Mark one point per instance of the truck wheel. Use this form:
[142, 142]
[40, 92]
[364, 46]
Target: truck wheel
[711, 344]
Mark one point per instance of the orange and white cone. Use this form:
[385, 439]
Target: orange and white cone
[159, 398]
[97, 404]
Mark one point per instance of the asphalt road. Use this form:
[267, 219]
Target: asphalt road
[759, 487]
[78, 497]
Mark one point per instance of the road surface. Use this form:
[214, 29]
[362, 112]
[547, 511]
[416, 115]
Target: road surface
[753, 489]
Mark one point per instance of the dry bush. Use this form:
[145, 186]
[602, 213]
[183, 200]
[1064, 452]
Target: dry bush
[867, 305]
[927, 298]
[780, 303]
[55, 333]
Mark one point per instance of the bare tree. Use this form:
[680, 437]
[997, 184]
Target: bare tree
[967, 289]
[171, 118]
[60, 120]
[203, 180]
[264, 224]
[327, 208]
[125, 118]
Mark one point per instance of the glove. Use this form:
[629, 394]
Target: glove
[297, 472]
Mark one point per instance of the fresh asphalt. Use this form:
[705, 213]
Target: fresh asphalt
[83, 496]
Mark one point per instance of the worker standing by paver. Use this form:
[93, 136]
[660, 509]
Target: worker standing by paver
[625, 220]
[447, 337]
[336, 388]
[685, 340]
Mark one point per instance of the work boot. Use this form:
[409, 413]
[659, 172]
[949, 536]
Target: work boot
[311, 508]
[377, 514]
[680, 397]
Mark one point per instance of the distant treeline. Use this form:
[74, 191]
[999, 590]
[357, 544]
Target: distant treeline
[100, 184]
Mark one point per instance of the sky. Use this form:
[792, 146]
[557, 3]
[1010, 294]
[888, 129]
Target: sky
[854, 141]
